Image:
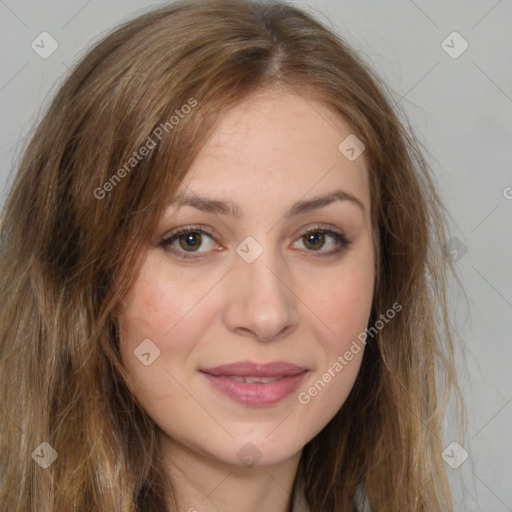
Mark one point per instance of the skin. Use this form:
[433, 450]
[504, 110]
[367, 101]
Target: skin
[290, 304]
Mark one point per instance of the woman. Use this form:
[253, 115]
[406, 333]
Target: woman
[223, 276]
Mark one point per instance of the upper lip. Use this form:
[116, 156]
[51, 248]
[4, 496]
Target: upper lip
[250, 369]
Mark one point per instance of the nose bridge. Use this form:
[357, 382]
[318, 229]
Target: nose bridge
[260, 301]
[258, 268]
[262, 274]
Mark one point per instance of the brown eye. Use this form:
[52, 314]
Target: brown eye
[324, 241]
[315, 240]
[187, 242]
[190, 241]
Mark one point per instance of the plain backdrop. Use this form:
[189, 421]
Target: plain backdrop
[456, 89]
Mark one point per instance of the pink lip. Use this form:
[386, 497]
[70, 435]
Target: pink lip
[258, 393]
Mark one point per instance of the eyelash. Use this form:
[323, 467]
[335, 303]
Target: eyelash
[342, 241]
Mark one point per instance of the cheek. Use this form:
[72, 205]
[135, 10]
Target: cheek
[346, 313]
[342, 307]
[170, 312]
[161, 304]
[343, 303]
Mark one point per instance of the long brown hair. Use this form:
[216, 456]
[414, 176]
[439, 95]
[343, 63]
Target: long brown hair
[72, 231]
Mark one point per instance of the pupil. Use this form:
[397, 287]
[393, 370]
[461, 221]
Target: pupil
[191, 241]
[316, 239]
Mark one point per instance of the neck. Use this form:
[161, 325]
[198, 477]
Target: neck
[205, 484]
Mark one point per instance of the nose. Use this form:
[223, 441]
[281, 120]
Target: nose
[260, 301]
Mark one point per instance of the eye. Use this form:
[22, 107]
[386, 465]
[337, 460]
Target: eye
[189, 242]
[317, 238]
[186, 241]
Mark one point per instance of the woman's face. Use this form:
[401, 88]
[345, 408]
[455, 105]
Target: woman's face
[249, 287]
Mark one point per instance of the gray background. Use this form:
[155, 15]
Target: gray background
[460, 107]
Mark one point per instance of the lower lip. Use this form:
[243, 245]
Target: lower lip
[258, 393]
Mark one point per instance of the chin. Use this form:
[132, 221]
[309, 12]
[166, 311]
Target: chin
[254, 450]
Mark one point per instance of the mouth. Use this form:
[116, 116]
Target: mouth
[254, 384]
[251, 380]
[243, 369]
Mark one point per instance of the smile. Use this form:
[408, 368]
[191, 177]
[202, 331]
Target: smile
[254, 384]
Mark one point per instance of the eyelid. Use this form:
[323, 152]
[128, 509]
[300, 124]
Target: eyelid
[189, 228]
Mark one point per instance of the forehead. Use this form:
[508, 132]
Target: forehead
[277, 143]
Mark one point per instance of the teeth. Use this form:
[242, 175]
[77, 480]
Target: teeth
[253, 380]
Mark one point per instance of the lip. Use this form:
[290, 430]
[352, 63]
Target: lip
[256, 394]
[251, 369]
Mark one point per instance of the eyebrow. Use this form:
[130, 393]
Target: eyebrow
[218, 207]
